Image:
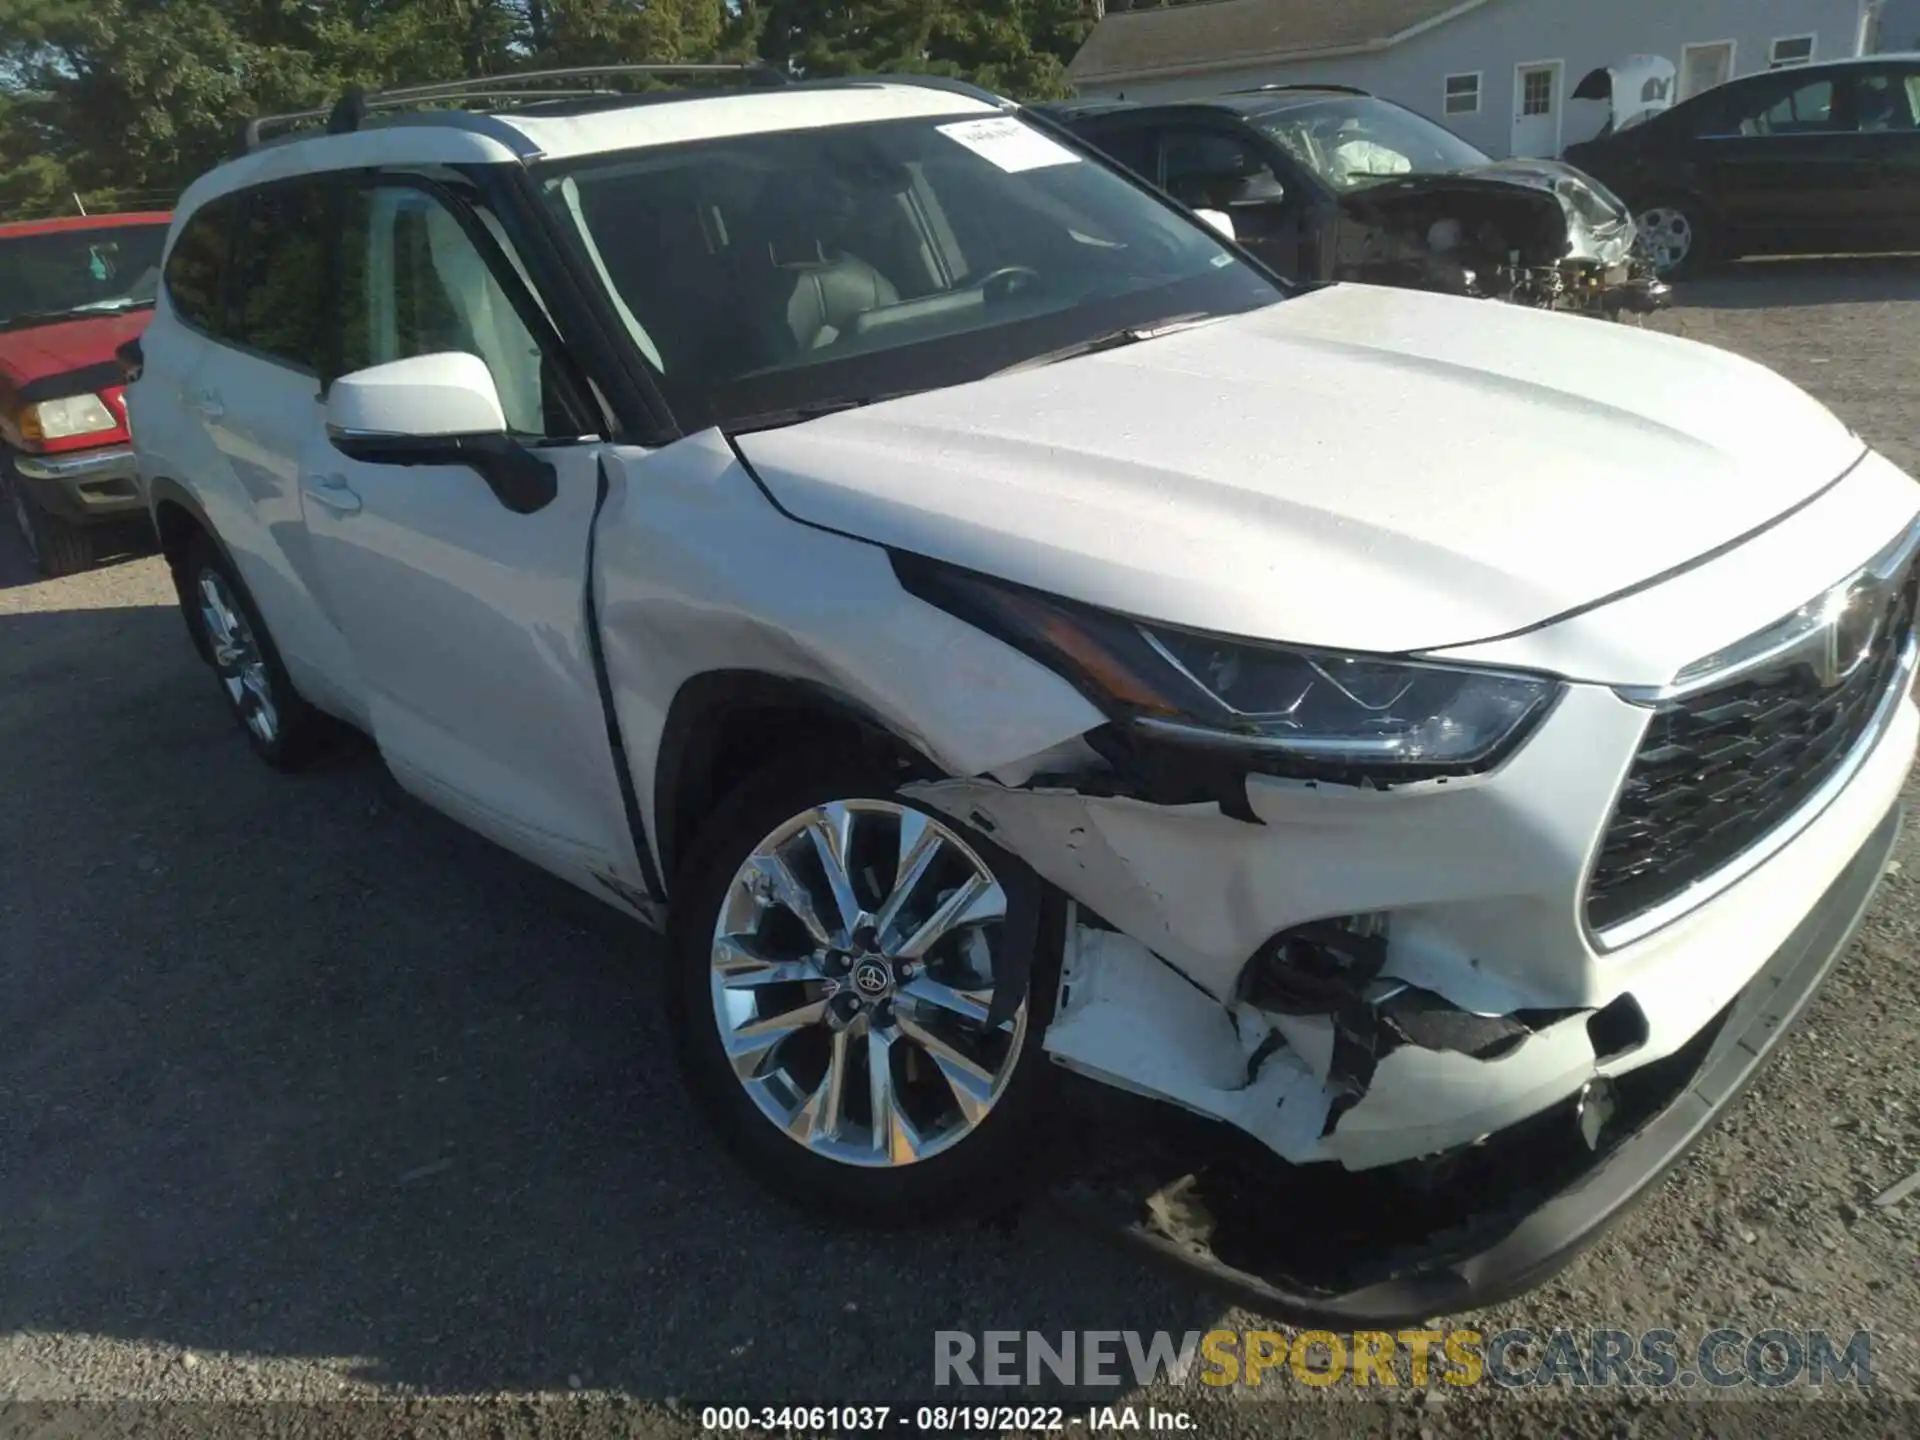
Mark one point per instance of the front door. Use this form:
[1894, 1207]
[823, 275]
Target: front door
[469, 622]
[1536, 109]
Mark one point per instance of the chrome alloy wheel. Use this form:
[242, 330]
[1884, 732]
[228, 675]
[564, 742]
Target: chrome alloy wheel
[1668, 237]
[237, 658]
[853, 970]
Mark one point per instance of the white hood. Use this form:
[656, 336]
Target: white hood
[1360, 468]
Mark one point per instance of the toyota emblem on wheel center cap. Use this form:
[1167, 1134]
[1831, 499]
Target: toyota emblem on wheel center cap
[872, 978]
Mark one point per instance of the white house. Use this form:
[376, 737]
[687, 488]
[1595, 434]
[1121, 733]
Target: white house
[1899, 27]
[1500, 73]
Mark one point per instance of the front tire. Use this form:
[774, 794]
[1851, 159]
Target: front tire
[848, 997]
[57, 547]
[282, 728]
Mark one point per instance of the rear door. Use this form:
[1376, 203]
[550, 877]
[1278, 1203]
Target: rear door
[1780, 161]
[190, 318]
[469, 622]
[250, 400]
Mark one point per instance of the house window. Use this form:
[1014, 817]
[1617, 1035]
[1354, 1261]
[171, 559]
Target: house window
[1536, 94]
[1463, 94]
[1793, 50]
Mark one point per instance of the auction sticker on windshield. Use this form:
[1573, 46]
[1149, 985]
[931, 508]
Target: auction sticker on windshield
[1009, 144]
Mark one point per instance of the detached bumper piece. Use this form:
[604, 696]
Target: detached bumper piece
[1322, 1245]
[1643, 296]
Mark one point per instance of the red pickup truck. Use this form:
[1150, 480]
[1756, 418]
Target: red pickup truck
[71, 292]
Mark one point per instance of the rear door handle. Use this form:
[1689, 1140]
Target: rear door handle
[333, 493]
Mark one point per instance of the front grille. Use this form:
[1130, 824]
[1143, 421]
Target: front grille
[1720, 770]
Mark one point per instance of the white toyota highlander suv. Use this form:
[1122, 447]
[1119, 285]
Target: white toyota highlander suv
[992, 624]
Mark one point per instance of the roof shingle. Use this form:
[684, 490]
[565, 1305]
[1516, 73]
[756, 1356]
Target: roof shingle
[1134, 42]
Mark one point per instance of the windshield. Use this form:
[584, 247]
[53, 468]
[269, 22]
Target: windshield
[1353, 142]
[60, 271]
[801, 269]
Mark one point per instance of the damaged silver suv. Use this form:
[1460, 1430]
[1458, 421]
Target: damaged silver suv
[994, 627]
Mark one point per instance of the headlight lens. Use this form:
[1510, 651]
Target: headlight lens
[66, 417]
[1301, 711]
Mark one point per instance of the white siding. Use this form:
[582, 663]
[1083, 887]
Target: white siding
[1505, 34]
[1900, 25]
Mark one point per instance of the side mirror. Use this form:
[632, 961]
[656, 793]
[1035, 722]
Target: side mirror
[437, 410]
[1219, 220]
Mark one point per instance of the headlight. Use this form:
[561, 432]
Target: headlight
[66, 417]
[1288, 709]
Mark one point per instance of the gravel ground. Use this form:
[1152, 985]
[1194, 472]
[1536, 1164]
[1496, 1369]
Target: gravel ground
[308, 1095]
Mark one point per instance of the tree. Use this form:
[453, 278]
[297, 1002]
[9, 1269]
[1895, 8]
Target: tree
[122, 95]
[1017, 46]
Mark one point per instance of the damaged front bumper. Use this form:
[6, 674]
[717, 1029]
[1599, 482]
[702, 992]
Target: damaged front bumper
[1363, 978]
[1386, 1249]
[1414, 1076]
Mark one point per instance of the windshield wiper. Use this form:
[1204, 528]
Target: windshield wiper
[800, 414]
[1112, 340]
[73, 312]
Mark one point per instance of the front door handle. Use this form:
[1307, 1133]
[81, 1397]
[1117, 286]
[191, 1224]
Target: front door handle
[333, 493]
[207, 402]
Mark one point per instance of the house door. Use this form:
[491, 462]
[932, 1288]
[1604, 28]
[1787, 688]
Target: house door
[1704, 66]
[1536, 109]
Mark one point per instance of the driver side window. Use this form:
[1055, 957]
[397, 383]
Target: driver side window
[414, 282]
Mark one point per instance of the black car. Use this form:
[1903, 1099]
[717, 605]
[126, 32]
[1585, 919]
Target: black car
[1818, 159]
[1330, 183]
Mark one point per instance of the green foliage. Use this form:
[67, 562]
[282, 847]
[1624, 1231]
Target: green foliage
[121, 99]
[1018, 47]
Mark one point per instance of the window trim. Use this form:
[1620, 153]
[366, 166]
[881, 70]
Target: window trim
[1732, 47]
[574, 387]
[1774, 62]
[1447, 95]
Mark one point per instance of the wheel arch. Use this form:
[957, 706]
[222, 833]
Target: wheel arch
[177, 521]
[720, 726]
[176, 515]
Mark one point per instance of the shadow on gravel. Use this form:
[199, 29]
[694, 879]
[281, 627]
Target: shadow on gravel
[292, 1067]
[1778, 284]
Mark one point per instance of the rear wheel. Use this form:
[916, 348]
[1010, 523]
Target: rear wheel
[860, 987]
[57, 547]
[280, 726]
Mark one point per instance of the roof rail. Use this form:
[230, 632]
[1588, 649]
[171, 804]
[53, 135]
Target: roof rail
[351, 111]
[948, 83]
[1303, 85]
